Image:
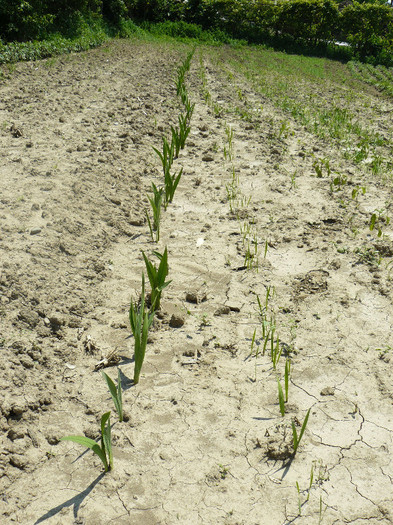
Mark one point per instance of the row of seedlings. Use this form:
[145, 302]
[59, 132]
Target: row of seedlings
[141, 315]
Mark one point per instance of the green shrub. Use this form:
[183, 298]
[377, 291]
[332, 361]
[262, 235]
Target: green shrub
[311, 20]
[369, 28]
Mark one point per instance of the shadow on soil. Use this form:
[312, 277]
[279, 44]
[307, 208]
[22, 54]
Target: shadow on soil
[76, 501]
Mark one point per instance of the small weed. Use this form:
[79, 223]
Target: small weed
[223, 470]
[357, 191]
[285, 130]
[378, 218]
[321, 165]
[338, 183]
[369, 255]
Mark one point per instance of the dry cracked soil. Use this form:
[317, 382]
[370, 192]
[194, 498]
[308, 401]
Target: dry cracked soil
[203, 441]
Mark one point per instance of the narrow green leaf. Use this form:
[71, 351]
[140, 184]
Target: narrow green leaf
[294, 438]
[304, 425]
[372, 221]
[106, 437]
[89, 443]
[114, 391]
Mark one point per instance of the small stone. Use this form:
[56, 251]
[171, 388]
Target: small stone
[35, 231]
[53, 439]
[16, 433]
[234, 308]
[327, 391]
[223, 310]
[177, 321]
[17, 461]
[126, 416]
[30, 317]
[26, 362]
[115, 200]
[17, 411]
[137, 221]
[56, 322]
[196, 297]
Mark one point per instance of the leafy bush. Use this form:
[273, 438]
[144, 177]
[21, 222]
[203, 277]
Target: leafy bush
[369, 28]
[311, 20]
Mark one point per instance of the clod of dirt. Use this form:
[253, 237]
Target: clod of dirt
[222, 310]
[327, 391]
[314, 281]
[279, 442]
[177, 321]
[30, 317]
[196, 296]
[56, 322]
[16, 433]
[208, 158]
[15, 131]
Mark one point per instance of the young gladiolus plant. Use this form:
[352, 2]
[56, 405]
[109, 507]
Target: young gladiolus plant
[157, 278]
[155, 203]
[140, 321]
[171, 183]
[167, 154]
[104, 452]
[115, 393]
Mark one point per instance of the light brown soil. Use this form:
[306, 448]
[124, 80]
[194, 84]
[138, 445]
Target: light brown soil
[204, 441]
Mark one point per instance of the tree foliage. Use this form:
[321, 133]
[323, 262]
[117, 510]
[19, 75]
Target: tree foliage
[366, 24]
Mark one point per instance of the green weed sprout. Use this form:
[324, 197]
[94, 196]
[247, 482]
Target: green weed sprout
[376, 219]
[104, 452]
[297, 438]
[155, 203]
[140, 322]
[115, 393]
[157, 277]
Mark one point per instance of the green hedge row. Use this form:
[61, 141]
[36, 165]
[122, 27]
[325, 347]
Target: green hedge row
[367, 26]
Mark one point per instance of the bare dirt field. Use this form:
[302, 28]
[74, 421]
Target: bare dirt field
[266, 208]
